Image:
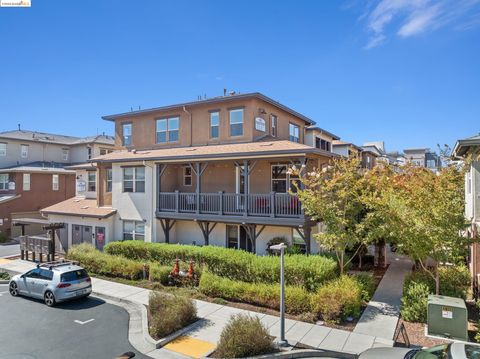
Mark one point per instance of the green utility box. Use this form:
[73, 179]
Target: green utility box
[447, 317]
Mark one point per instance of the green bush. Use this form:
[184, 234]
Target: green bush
[4, 275]
[244, 336]
[339, 298]
[297, 299]
[169, 313]
[414, 301]
[309, 272]
[367, 285]
[455, 281]
[100, 263]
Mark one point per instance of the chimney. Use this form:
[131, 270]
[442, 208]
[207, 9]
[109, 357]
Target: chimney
[224, 92]
[232, 93]
[19, 127]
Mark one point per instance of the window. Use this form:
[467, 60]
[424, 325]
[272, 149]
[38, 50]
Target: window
[89, 153]
[431, 163]
[232, 236]
[3, 181]
[127, 134]
[274, 126]
[65, 153]
[92, 181]
[45, 274]
[104, 151]
[282, 182]
[3, 149]
[294, 133]
[26, 181]
[24, 151]
[167, 129]
[134, 230]
[214, 124]
[236, 122]
[298, 242]
[134, 179]
[187, 176]
[109, 180]
[55, 183]
[322, 144]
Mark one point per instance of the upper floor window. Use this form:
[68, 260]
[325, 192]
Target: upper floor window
[108, 180]
[431, 163]
[236, 122]
[26, 181]
[134, 179]
[322, 144]
[3, 149]
[104, 151]
[3, 181]
[167, 129]
[274, 126]
[92, 181]
[65, 153]
[187, 176]
[294, 132]
[55, 182]
[134, 230]
[214, 124]
[24, 151]
[127, 134]
[89, 153]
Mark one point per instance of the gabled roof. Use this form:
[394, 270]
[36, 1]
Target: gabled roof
[321, 130]
[343, 143]
[257, 149]
[34, 136]
[214, 100]
[462, 147]
[79, 206]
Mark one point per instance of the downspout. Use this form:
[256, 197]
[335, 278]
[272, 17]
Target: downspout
[191, 124]
[154, 196]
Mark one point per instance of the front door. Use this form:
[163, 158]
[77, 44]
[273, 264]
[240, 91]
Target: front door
[87, 234]
[76, 234]
[99, 238]
[240, 186]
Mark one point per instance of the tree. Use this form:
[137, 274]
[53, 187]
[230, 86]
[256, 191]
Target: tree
[334, 196]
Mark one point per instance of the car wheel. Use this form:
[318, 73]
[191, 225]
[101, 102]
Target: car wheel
[49, 299]
[13, 289]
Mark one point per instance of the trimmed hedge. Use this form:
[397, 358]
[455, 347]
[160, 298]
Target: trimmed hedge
[338, 299]
[108, 265]
[297, 299]
[454, 282]
[309, 272]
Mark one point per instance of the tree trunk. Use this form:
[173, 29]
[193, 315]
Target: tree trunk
[340, 262]
[437, 281]
[360, 255]
[381, 260]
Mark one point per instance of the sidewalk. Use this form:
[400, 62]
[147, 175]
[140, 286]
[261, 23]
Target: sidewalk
[380, 318]
[213, 318]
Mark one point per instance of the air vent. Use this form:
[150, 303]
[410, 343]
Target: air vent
[267, 144]
[84, 207]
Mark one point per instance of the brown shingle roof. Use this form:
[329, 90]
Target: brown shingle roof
[77, 206]
[234, 150]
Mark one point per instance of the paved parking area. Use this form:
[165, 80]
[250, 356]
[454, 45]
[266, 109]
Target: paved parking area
[87, 328]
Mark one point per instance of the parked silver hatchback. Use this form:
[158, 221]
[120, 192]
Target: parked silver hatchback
[53, 282]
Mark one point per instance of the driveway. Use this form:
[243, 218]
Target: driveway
[88, 328]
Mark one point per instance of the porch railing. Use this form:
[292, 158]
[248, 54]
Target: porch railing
[232, 204]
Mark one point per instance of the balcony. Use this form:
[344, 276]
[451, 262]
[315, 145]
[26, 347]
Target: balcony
[271, 208]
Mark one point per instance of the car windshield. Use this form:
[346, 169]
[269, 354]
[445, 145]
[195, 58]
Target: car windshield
[436, 352]
[472, 352]
[74, 275]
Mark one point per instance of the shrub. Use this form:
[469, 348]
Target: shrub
[455, 281]
[306, 271]
[97, 262]
[169, 313]
[4, 275]
[414, 301]
[367, 285]
[297, 299]
[339, 298]
[244, 336]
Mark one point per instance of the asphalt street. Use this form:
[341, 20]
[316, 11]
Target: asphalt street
[9, 249]
[89, 328]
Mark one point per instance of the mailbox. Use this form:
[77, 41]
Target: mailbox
[447, 317]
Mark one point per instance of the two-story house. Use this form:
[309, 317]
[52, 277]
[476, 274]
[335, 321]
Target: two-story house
[33, 173]
[423, 157]
[470, 148]
[213, 171]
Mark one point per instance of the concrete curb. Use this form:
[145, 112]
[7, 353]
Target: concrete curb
[302, 353]
[4, 281]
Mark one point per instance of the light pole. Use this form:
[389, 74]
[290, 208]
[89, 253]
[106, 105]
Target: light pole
[281, 247]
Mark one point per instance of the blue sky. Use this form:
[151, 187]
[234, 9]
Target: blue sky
[403, 71]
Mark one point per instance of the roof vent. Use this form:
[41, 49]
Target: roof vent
[268, 144]
[232, 93]
[84, 207]
[134, 151]
[191, 149]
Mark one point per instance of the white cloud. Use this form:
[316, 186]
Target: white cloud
[413, 17]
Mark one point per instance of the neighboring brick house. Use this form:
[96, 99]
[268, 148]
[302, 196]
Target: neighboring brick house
[33, 173]
[213, 171]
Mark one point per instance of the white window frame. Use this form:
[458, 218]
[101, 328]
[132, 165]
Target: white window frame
[91, 181]
[469, 182]
[3, 149]
[108, 180]
[134, 233]
[127, 134]
[168, 129]
[24, 151]
[65, 154]
[55, 182]
[27, 182]
[185, 176]
[134, 179]
[217, 126]
[289, 179]
[274, 121]
[295, 136]
[4, 179]
[236, 123]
